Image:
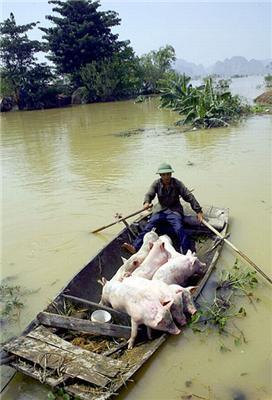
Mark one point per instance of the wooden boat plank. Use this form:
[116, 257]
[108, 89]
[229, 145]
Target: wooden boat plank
[150, 348]
[48, 356]
[29, 370]
[110, 367]
[77, 362]
[84, 326]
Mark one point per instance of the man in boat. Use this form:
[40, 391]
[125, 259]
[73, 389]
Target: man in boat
[167, 215]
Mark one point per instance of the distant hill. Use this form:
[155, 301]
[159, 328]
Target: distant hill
[189, 68]
[237, 65]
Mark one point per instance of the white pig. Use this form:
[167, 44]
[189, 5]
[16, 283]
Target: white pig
[136, 259]
[156, 257]
[143, 307]
[164, 292]
[178, 269]
[168, 244]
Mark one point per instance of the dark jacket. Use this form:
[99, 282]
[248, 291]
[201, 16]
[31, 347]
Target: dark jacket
[169, 197]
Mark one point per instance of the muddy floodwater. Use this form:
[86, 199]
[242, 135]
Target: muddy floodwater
[68, 171]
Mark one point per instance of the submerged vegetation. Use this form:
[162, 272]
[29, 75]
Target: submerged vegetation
[11, 302]
[209, 105]
[220, 313]
[58, 394]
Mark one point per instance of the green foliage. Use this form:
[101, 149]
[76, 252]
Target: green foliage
[223, 85]
[224, 308]
[22, 76]
[153, 67]
[34, 91]
[261, 108]
[268, 80]
[86, 56]
[238, 279]
[99, 79]
[58, 394]
[17, 50]
[80, 34]
[112, 78]
[11, 301]
[175, 89]
[206, 106]
[6, 86]
[140, 99]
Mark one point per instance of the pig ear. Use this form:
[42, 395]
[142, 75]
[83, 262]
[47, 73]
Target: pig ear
[167, 303]
[191, 289]
[124, 259]
[189, 253]
[193, 259]
[102, 281]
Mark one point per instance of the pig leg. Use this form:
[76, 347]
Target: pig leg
[134, 330]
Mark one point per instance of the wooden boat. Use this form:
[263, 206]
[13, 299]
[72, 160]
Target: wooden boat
[63, 348]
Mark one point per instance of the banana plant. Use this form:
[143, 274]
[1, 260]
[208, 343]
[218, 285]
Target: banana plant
[205, 106]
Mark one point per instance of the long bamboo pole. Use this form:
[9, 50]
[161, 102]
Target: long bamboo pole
[120, 220]
[243, 255]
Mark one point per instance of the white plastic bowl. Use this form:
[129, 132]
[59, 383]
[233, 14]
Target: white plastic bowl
[101, 316]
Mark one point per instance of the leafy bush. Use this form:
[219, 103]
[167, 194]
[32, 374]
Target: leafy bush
[205, 106]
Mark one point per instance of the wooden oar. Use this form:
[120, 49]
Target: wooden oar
[243, 255]
[120, 220]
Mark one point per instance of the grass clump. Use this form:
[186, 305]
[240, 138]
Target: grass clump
[11, 302]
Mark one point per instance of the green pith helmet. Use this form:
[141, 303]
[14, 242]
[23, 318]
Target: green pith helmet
[164, 168]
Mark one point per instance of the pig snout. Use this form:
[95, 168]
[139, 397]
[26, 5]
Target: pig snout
[166, 323]
[190, 307]
[199, 266]
[179, 316]
[188, 302]
[174, 330]
[192, 310]
[168, 326]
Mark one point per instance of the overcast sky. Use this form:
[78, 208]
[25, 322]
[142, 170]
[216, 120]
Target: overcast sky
[201, 32]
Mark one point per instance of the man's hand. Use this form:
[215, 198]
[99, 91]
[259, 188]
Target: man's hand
[200, 216]
[147, 205]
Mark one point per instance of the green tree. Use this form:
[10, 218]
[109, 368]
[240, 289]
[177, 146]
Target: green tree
[20, 72]
[164, 57]
[80, 35]
[113, 78]
[154, 65]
